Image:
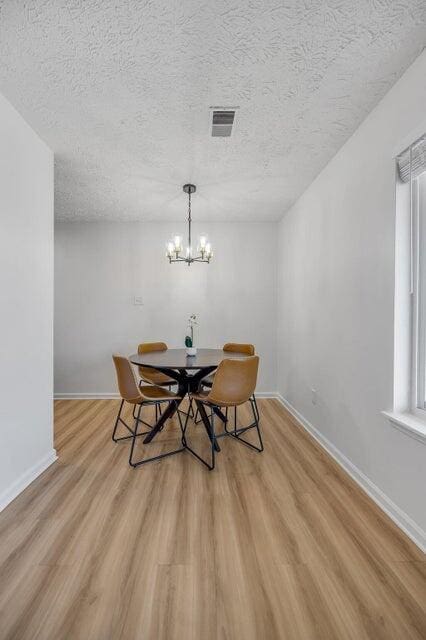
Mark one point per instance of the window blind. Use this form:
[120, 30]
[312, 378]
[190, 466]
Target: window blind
[413, 169]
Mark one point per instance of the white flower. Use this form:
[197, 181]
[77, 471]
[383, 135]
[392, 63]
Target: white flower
[192, 320]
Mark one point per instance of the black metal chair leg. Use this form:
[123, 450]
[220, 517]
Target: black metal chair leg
[234, 430]
[134, 436]
[117, 421]
[256, 407]
[190, 411]
[158, 412]
[213, 442]
[129, 429]
[184, 426]
[147, 424]
[144, 461]
[206, 422]
[256, 426]
[212, 436]
[225, 424]
[256, 415]
[136, 413]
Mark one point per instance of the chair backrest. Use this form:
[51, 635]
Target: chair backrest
[234, 381]
[126, 379]
[235, 347]
[149, 347]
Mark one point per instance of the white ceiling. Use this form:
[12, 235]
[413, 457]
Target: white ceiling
[121, 92]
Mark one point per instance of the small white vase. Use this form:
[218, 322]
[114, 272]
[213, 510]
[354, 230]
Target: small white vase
[191, 351]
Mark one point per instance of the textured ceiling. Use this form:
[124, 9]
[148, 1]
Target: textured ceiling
[121, 91]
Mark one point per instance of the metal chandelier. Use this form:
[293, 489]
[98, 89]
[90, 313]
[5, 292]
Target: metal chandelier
[175, 251]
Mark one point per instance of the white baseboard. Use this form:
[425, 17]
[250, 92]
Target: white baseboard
[114, 396]
[401, 519]
[86, 396]
[266, 394]
[26, 478]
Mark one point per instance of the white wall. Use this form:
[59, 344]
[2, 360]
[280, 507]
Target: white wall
[26, 318]
[100, 267]
[336, 294]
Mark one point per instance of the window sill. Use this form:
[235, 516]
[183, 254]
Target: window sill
[408, 423]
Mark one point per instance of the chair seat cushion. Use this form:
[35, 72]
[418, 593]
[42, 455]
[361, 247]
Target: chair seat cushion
[158, 378]
[204, 396]
[150, 392]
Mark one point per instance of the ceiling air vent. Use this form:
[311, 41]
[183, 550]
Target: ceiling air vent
[222, 123]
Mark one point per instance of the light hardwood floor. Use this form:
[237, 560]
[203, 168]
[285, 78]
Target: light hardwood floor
[280, 545]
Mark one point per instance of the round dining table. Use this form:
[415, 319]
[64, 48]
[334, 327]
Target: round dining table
[188, 371]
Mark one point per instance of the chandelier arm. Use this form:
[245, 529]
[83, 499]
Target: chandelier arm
[189, 260]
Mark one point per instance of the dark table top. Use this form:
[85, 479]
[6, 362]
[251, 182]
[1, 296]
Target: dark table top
[177, 358]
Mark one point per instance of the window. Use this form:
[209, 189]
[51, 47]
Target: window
[412, 173]
[419, 291]
[410, 291]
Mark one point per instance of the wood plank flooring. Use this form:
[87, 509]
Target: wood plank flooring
[280, 545]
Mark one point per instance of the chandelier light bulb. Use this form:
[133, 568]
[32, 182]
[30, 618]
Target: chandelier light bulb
[178, 243]
[170, 248]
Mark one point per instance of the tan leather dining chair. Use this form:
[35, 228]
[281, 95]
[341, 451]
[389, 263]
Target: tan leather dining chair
[232, 347]
[139, 396]
[233, 385]
[151, 375]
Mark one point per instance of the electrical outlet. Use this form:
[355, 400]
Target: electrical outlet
[138, 300]
[314, 396]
